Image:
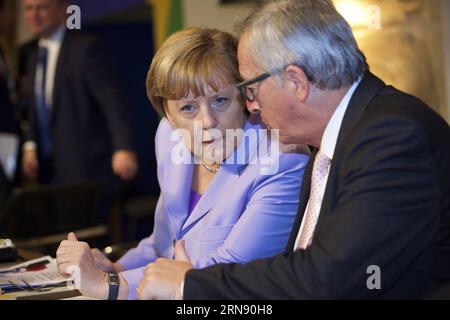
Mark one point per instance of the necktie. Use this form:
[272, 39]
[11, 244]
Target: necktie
[42, 109]
[318, 179]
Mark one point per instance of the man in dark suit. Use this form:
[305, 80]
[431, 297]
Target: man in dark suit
[7, 115]
[80, 121]
[374, 218]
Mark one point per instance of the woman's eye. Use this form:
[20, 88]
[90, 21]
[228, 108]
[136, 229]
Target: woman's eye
[220, 102]
[188, 108]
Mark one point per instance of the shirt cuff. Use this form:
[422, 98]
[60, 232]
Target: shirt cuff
[182, 289]
[29, 145]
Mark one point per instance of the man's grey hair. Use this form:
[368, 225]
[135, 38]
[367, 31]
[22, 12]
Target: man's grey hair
[308, 33]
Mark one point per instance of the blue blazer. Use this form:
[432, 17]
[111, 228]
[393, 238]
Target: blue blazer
[243, 215]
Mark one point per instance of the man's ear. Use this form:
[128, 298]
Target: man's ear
[299, 79]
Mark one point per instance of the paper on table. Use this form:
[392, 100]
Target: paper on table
[38, 272]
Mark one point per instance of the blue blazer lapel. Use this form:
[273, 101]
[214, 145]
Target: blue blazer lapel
[224, 180]
[60, 74]
[176, 191]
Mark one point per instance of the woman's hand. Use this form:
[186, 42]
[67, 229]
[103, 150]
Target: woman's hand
[75, 258]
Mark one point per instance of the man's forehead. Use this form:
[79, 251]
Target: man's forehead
[248, 67]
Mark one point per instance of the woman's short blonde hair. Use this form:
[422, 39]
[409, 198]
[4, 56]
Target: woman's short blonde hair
[188, 61]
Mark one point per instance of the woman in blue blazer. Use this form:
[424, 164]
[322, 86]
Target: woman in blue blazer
[219, 193]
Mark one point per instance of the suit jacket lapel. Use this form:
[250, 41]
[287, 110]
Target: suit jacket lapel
[63, 62]
[31, 81]
[367, 90]
[176, 190]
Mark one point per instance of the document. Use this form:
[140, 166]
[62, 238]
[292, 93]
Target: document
[41, 272]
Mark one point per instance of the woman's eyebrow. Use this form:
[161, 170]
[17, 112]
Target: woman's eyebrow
[212, 96]
[183, 102]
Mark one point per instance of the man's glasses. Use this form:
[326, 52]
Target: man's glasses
[249, 93]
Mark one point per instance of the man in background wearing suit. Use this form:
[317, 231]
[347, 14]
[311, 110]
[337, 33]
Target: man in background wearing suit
[375, 215]
[80, 121]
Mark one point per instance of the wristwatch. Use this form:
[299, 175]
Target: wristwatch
[113, 281]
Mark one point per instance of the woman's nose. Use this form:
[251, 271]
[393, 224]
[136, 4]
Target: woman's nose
[208, 119]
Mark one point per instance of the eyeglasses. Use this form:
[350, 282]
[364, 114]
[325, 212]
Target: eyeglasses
[249, 93]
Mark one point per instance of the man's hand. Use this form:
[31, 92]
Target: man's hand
[125, 164]
[93, 281]
[163, 278]
[30, 165]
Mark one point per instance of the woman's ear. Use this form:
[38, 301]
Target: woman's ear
[299, 79]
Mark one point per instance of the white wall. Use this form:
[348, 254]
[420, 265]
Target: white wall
[209, 13]
[446, 17]
[23, 34]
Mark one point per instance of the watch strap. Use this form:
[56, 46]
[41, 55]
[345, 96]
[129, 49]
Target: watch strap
[114, 282]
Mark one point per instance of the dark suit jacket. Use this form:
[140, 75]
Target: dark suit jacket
[7, 119]
[90, 115]
[387, 203]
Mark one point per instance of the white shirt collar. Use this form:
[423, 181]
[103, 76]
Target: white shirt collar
[330, 136]
[55, 39]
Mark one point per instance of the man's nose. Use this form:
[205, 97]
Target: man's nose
[253, 106]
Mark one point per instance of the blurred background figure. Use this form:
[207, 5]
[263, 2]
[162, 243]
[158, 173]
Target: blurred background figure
[9, 128]
[79, 119]
[7, 82]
